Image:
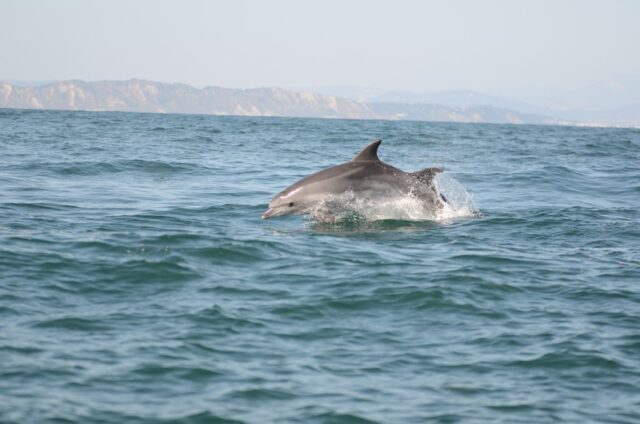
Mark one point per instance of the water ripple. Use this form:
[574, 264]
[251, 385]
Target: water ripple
[138, 282]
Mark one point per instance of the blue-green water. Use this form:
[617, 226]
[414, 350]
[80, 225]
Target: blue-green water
[139, 284]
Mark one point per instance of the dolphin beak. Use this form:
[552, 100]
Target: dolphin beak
[268, 213]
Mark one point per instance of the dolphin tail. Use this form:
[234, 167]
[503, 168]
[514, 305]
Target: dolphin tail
[427, 175]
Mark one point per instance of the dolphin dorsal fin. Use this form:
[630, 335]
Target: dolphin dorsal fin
[427, 175]
[369, 153]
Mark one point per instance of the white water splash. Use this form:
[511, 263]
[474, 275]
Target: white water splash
[349, 207]
[459, 202]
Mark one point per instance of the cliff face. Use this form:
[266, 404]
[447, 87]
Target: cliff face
[149, 96]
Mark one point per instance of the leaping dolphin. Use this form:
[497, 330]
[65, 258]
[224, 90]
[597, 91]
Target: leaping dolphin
[364, 177]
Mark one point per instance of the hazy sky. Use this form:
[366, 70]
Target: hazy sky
[417, 45]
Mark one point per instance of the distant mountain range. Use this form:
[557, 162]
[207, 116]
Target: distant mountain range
[149, 96]
[612, 102]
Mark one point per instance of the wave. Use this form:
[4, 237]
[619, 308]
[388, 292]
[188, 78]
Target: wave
[91, 168]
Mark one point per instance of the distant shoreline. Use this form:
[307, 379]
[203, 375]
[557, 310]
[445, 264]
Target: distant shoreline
[561, 124]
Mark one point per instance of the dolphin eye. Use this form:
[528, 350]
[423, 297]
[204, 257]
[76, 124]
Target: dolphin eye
[291, 204]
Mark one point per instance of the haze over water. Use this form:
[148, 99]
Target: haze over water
[139, 283]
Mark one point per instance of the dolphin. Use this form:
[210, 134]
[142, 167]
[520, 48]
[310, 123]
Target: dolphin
[363, 177]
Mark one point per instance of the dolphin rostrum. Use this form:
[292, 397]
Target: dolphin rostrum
[364, 177]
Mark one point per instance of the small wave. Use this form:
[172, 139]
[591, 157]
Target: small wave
[129, 165]
[38, 206]
[258, 394]
[182, 372]
[216, 316]
[336, 417]
[73, 324]
[568, 360]
[169, 269]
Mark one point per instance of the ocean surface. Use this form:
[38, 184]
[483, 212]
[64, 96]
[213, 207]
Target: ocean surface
[138, 283]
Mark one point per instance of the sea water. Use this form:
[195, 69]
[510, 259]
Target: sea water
[139, 284]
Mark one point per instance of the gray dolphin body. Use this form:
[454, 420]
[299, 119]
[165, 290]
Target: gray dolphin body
[364, 177]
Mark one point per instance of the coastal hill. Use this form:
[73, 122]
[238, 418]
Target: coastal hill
[148, 96]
